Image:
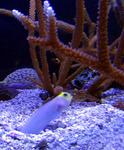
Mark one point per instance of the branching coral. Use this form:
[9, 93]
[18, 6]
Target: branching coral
[81, 51]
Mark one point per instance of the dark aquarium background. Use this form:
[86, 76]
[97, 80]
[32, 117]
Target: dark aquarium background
[14, 52]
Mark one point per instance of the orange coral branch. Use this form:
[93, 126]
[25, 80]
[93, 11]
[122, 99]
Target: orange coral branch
[32, 48]
[32, 9]
[76, 39]
[102, 37]
[88, 55]
[42, 33]
[65, 51]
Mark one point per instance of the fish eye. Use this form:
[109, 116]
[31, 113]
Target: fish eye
[65, 94]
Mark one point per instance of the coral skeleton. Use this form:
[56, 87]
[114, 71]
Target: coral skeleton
[85, 50]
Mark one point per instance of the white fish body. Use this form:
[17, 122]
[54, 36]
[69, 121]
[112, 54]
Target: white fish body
[49, 111]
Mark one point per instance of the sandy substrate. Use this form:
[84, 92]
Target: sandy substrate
[82, 126]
